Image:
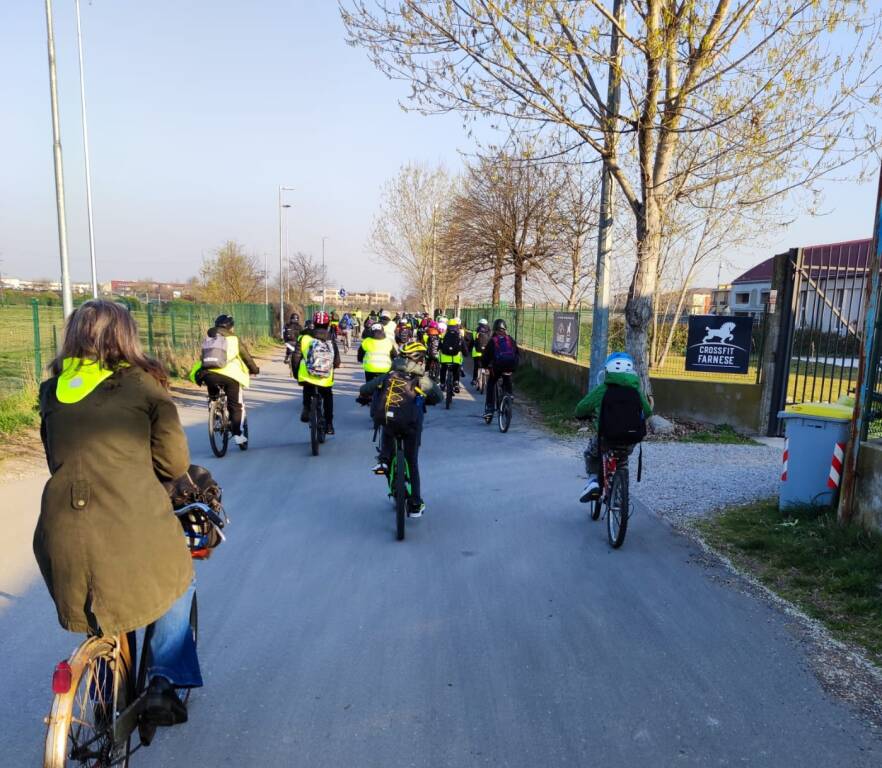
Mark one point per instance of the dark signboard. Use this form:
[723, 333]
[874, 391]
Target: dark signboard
[566, 334]
[718, 344]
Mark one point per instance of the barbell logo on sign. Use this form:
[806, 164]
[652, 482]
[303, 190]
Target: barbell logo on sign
[719, 344]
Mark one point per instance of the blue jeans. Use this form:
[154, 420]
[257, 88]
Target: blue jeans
[172, 647]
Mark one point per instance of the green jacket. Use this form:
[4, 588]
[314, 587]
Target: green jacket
[109, 547]
[590, 404]
[427, 384]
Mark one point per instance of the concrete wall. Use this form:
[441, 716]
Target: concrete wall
[692, 399]
[868, 489]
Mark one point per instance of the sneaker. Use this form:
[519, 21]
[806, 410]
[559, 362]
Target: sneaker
[329, 429]
[240, 439]
[488, 416]
[474, 382]
[416, 509]
[304, 416]
[162, 705]
[381, 468]
[456, 389]
[591, 490]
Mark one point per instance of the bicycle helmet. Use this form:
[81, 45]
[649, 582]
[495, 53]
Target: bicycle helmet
[483, 321]
[453, 323]
[385, 316]
[321, 318]
[294, 317]
[224, 321]
[377, 331]
[414, 350]
[499, 325]
[619, 362]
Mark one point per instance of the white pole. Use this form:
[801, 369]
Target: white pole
[86, 156]
[66, 295]
[281, 269]
[324, 237]
[266, 278]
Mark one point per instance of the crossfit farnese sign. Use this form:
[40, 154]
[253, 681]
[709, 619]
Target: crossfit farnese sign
[566, 334]
[718, 344]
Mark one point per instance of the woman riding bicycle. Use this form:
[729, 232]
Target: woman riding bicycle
[111, 552]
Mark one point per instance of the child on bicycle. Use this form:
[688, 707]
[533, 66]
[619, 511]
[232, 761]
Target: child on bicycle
[225, 364]
[315, 360]
[500, 357]
[408, 388]
[622, 410]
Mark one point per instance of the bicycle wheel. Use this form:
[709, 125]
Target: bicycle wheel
[81, 721]
[314, 425]
[448, 388]
[596, 507]
[504, 416]
[244, 446]
[400, 483]
[322, 423]
[218, 435]
[617, 508]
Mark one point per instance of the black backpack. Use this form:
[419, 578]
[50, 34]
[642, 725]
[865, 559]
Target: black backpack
[621, 416]
[482, 338]
[395, 405]
[452, 344]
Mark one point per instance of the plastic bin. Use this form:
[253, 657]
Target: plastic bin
[812, 431]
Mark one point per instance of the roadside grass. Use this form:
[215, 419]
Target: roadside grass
[833, 573]
[554, 400]
[18, 412]
[720, 434]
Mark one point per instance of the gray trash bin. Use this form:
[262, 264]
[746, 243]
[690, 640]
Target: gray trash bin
[812, 431]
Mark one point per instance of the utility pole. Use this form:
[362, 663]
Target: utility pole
[324, 237]
[86, 155]
[434, 262]
[600, 322]
[266, 279]
[66, 295]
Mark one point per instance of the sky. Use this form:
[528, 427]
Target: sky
[199, 110]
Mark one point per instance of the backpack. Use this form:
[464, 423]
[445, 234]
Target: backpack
[214, 351]
[396, 405]
[621, 416]
[320, 359]
[452, 344]
[433, 346]
[503, 351]
[482, 339]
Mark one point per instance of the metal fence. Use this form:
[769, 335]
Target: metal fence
[534, 327]
[30, 335]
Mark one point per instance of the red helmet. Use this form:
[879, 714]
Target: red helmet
[321, 318]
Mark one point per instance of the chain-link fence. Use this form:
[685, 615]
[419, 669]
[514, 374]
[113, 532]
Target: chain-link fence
[30, 335]
[533, 328]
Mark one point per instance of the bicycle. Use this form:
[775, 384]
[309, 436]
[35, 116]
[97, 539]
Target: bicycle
[399, 486]
[613, 499]
[219, 430]
[347, 344]
[317, 423]
[481, 381]
[504, 403]
[449, 386]
[100, 691]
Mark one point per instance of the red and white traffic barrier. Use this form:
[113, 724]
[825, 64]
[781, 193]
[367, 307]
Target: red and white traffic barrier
[836, 466]
[785, 459]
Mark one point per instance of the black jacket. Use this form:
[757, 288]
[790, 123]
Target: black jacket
[292, 331]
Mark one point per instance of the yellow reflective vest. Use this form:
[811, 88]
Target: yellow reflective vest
[303, 375]
[78, 379]
[377, 354]
[235, 369]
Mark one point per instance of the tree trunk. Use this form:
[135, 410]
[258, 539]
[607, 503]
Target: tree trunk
[639, 309]
[575, 268]
[519, 287]
[497, 278]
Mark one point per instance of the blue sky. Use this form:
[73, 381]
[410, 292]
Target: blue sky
[198, 110]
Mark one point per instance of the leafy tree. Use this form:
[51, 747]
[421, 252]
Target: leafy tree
[231, 276]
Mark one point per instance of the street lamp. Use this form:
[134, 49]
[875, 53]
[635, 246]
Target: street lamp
[324, 237]
[281, 287]
[86, 155]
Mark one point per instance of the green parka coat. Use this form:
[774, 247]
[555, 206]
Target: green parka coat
[111, 551]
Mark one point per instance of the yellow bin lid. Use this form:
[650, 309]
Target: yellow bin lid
[821, 410]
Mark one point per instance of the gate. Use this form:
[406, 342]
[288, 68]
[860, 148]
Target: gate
[821, 303]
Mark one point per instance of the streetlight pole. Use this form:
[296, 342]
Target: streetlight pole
[66, 295]
[86, 155]
[281, 287]
[266, 279]
[432, 308]
[324, 237]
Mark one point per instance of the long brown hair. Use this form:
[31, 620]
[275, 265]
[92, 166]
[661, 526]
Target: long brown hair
[105, 332]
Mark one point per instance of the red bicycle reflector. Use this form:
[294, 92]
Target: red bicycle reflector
[61, 678]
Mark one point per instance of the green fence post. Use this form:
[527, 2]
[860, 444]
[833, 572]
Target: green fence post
[38, 352]
[54, 341]
[190, 318]
[173, 334]
[150, 327]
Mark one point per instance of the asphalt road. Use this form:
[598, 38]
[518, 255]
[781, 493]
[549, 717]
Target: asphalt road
[502, 632]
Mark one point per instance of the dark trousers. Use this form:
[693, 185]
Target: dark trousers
[411, 453]
[327, 395]
[368, 375]
[456, 368]
[490, 397]
[235, 397]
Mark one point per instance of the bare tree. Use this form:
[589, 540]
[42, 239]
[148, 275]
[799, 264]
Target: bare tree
[231, 276]
[405, 229]
[785, 91]
[306, 276]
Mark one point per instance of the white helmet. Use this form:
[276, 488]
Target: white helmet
[619, 362]
[483, 321]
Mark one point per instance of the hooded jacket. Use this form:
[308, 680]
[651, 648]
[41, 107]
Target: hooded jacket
[589, 405]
